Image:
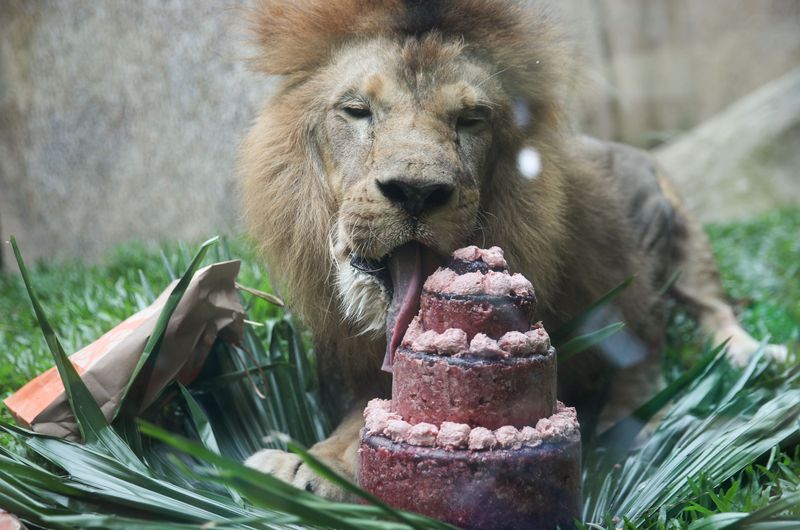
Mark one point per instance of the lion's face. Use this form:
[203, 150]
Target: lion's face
[405, 141]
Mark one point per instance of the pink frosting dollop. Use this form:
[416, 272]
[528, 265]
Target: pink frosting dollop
[492, 256]
[500, 283]
[453, 435]
[481, 438]
[530, 436]
[508, 437]
[518, 344]
[424, 342]
[377, 418]
[469, 283]
[378, 404]
[484, 346]
[422, 434]
[515, 343]
[397, 430]
[541, 340]
[453, 342]
[562, 425]
[413, 332]
[377, 415]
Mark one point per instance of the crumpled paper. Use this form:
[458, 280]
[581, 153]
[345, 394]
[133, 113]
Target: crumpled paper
[209, 309]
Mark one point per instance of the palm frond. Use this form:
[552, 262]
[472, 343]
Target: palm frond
[562, 334]
[130, 403]
[95, 430]
[569, 344]
[723, 422]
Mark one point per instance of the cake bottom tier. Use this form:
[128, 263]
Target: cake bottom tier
[530, 487]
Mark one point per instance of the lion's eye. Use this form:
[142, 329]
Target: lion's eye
[469, 121]
[472, 119]
[357, 111]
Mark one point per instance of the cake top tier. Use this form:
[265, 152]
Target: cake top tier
[476, 308]
[475, 271]
[474, 259]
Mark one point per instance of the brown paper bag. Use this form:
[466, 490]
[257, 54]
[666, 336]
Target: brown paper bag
[209, 308]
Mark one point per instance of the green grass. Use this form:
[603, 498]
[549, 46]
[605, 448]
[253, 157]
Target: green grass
[759, 262]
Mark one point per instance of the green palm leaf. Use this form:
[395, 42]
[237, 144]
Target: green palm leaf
[94, 428]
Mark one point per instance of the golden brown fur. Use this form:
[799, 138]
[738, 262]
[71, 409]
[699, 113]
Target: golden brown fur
[311, 163]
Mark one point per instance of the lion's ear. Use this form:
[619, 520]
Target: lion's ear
[298, 35]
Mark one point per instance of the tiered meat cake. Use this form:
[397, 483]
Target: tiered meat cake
[473, 434]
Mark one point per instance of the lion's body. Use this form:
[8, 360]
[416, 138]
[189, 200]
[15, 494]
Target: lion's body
[380, 96]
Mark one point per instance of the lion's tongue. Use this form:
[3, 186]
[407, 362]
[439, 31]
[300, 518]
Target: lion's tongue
[409, 266]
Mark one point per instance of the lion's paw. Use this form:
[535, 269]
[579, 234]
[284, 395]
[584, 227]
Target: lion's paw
[290, 468]
[742, 347]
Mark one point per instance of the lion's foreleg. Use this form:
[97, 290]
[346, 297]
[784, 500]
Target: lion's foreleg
[699, 286]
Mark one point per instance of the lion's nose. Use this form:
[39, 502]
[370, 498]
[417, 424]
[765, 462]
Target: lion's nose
[415, 197]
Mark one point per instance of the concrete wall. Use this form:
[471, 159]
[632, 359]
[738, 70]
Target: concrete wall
[120, 120]
[659, 67]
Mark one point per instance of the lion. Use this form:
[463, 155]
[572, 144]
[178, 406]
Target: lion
[402, 130]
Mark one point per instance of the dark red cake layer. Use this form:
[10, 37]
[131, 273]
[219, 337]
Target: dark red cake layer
[489, 393]
[492, 315]
[527, 488]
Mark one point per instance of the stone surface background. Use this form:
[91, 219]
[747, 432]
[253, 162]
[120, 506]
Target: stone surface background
[121, 120]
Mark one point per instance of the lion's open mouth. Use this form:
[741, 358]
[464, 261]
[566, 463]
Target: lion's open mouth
[403, 272]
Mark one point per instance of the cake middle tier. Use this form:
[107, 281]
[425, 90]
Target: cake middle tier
[489, 393]
[493, 315]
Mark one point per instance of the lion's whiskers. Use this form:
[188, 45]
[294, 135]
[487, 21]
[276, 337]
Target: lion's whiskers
[479, 225]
